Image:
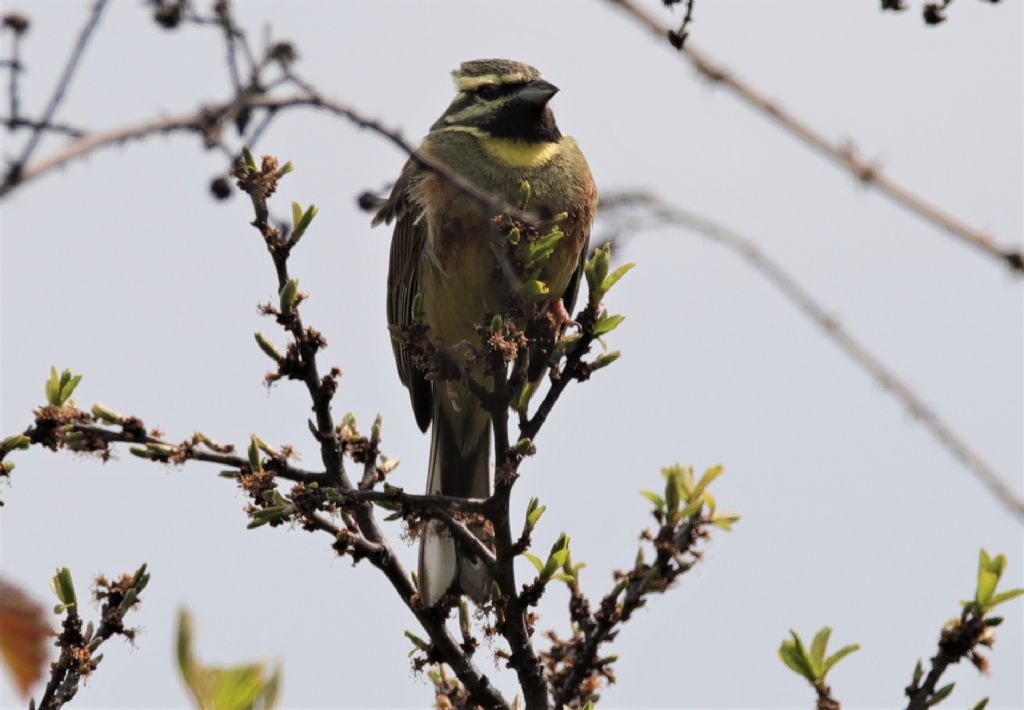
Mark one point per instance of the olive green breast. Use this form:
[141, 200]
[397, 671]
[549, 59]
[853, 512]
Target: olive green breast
[460, 278]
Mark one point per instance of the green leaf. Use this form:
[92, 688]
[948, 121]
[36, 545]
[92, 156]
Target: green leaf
[606, 284]
[607, 323]
[794, 655]
[533, 513]
[554, 563]
[724, 520]
[980, 705]
[838, 656]
[672, 497]
[817, 655]
[535, 561]
[692, 508]
[53, 386]
[1004, 597]
[243, 687]
[303, 222]
[987, 582]
[710, 475]
[296, 214]
[596, 270]
[940, 694]
[417, 641]
[64, 587]
[658, 501]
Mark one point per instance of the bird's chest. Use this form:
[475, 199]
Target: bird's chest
[461, 276]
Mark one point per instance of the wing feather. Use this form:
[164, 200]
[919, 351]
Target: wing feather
[403, 284]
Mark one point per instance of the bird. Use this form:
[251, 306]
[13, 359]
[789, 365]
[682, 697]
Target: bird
[499, 132]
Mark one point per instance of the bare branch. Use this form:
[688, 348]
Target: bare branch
[14, 171]
[867, 360]
[842, 153]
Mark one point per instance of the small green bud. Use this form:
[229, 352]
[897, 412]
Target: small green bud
[250, 161]
[525, 447]
[514, 236]
[107, 416]
[533, 512]
[284, 170]
[130, 597]
[605, 360]
[6, 467]
[496, 324]
[522, 399]
[64, 587]
[301, 221]
[267, 347]
[524, 194]
[266, 448]
[141, 578]
[18, 441]
[535, 290]
[289, 294]
[417, 306]
[255, 462]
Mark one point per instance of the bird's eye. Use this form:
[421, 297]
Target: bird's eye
[488, 91]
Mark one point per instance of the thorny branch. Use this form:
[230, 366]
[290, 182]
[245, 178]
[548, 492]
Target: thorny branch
[784, 281]
[842, 153]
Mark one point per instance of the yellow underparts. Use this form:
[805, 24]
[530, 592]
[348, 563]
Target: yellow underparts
[513, 152]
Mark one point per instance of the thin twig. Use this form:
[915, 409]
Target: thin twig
[14, 123]
[841, 153]
[867, 360]
[12, 89]
[58, 93]
[200, 122]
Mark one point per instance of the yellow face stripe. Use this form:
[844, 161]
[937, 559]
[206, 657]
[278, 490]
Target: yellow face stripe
[512, 152]
[468, 83]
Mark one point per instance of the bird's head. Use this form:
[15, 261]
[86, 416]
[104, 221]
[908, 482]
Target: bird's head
[503, 99]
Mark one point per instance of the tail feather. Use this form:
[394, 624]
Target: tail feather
[460, 465]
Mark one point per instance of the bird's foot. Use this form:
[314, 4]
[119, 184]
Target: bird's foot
[561, 315]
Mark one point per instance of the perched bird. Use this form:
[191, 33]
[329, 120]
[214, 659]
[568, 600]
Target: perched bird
[498, 132]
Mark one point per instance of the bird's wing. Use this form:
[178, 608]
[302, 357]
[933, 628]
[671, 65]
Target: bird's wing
[403, 285]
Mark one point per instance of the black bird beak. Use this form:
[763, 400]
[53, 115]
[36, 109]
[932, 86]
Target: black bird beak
[537, 92]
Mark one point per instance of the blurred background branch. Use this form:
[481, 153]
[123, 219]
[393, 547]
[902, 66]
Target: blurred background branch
[635, 211]
[844, 154]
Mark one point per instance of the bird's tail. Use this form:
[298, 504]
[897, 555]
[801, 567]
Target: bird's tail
[460, 465]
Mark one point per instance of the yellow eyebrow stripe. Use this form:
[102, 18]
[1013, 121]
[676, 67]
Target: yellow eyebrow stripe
[468, 83]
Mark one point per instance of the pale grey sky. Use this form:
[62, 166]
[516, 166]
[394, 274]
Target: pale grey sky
[122, 268]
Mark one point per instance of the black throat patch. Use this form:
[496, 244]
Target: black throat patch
[523, 121]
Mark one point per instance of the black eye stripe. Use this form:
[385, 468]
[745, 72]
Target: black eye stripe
[493, 91]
